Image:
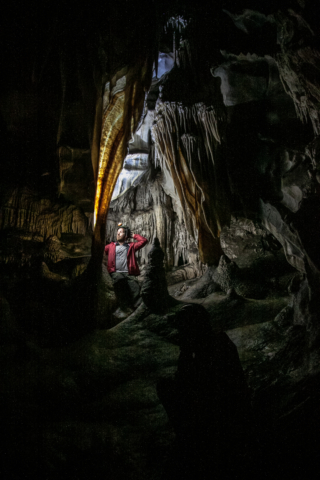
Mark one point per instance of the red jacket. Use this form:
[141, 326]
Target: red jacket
[133, 268]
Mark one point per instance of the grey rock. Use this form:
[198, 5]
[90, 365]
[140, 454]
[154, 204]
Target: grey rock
[203, 286]
[285, 317]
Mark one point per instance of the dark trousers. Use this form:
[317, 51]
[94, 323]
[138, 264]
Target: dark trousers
[126, 288]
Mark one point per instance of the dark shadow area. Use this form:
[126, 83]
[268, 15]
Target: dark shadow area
[221, 431]
[50, 310]
[208, 402]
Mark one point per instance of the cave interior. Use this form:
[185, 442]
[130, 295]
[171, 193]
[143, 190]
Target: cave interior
[198, 125]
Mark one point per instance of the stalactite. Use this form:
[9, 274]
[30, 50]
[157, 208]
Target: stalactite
[187, 140]
[152, 215]
[24, 211]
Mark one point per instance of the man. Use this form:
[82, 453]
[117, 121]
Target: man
[122, 265]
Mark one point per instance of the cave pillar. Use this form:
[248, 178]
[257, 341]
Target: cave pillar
[119, 121]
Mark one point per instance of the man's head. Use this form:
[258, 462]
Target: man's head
[123, 233]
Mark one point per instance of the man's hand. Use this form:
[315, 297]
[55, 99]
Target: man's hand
[132, 234]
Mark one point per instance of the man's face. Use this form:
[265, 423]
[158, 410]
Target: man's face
[121, 235]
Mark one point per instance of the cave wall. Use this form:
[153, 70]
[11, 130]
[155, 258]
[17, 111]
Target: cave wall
[233, 169]
[234, 133]
[53, 118]
[53, 98]
[149, 211]
[259, 150]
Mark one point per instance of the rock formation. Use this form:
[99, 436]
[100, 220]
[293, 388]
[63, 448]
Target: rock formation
[194, 123]
[154, 290]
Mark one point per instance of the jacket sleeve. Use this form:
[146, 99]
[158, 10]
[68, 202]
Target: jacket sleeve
[141, 242]
[106, 249]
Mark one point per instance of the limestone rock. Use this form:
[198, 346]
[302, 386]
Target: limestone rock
[37, 229]
[285, 317]
[235, 71]
[242, 241]
[295, 64]
[230, 277]
[93, 400]
[178, 274]
[121, 314]
[203, 287]
[76, 177]
[105, 301]
[151, 212]
[24, 209]
[226, 274]
[154, 290]
[48, 275]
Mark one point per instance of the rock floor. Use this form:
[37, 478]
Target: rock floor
[91, 409]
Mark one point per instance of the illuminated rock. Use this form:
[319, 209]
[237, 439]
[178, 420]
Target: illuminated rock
[187, 141]
[120, 120]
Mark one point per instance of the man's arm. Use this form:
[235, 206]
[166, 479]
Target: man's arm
[141, 241]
